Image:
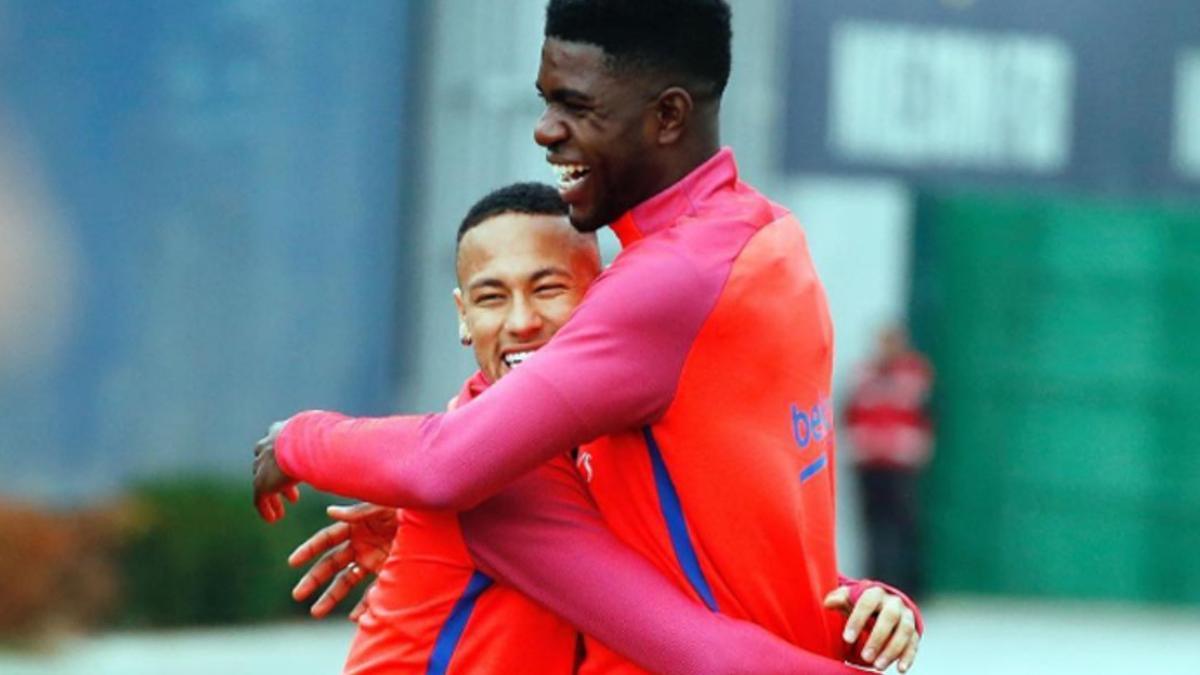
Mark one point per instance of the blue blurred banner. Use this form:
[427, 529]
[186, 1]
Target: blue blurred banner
[1101, 96]
[210, 202]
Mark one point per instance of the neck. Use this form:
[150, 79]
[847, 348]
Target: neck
[698, 146]
[687, 161]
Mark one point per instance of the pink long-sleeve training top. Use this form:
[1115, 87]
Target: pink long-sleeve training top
[701, 360]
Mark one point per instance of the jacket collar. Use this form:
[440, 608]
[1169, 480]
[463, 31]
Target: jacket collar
[663, 209]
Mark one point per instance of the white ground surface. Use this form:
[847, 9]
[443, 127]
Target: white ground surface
[964, 636]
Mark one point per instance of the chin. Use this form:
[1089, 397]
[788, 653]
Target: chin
[585, 223]
[494, 374]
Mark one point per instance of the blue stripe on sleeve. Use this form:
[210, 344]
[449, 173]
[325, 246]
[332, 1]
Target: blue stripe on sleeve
[456, 623]
[812, 469]
[672, 510]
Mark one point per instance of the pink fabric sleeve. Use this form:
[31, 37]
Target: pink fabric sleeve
[613, 366]
[542, 536]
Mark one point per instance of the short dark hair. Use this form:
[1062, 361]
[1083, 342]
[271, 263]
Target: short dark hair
[531, 198]
[678, 37]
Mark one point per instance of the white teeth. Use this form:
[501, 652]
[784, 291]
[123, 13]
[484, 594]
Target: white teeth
[569, 175]
[513, 360]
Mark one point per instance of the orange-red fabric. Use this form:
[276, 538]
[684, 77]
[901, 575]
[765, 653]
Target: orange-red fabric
[702, 355]
[425, 576]
[425, 586]
[748, 447]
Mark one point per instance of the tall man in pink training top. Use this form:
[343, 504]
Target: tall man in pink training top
[701, 358]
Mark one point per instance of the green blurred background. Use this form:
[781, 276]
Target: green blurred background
[1065, 333]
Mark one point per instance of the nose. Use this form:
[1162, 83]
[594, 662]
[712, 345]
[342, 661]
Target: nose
[523, 320]
[549, 130]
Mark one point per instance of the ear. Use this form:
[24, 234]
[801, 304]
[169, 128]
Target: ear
[459, 305]
[464, 333]
[673, 112]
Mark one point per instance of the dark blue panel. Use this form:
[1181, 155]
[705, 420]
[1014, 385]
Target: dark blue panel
[456, 623]
[1124, 55]
[672, 510]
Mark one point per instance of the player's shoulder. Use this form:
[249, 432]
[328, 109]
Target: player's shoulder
[719, 228]
[656, 277]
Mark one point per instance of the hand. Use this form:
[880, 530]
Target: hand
[895, 625]
[269, 480]
[356, 546]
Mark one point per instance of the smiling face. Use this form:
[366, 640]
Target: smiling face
[519, 277]
[599, 130]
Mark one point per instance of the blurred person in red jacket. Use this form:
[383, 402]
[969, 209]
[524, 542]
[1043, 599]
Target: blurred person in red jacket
[892, 439]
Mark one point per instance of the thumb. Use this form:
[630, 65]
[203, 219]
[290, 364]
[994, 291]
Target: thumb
[351, 513]
[839, 598]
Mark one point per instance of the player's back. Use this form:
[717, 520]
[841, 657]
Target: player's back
[730, 492]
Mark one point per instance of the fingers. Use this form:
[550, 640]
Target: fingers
[373, 560]
[268, 503]
[359, 609]
[353, 512]
[343, 583]
[323, 540]
[268, 480]
[867, 603]
[904, 635]
[885, 624]
[323, 570]
[839, 599]
[910, 654]
[269, 506]
[264, 509]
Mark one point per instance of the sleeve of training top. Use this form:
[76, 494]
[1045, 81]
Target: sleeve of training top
[543, 536]
[613, 366]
